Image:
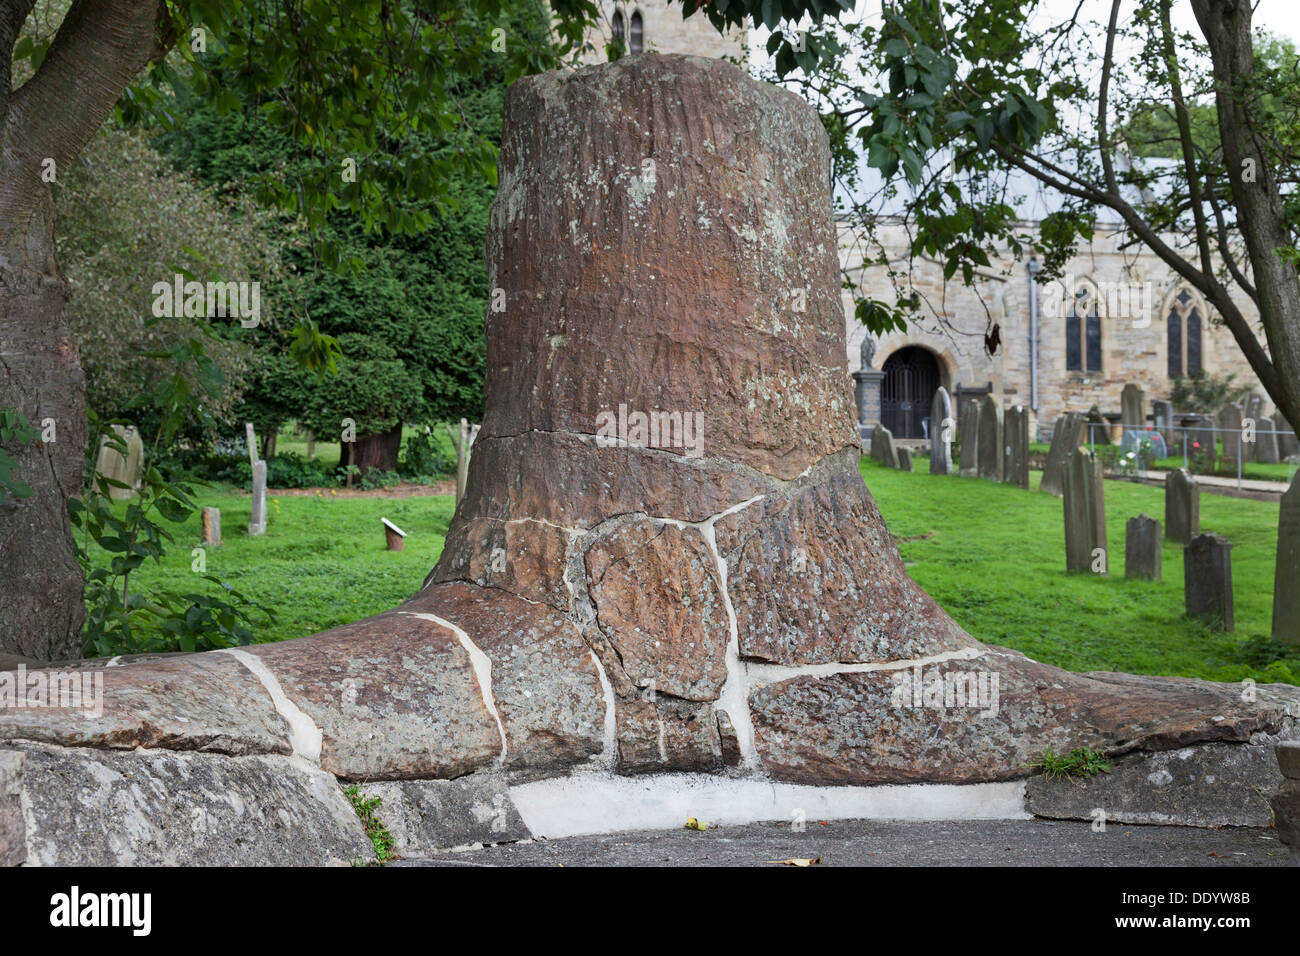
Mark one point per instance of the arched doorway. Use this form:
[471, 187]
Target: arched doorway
[907, 392]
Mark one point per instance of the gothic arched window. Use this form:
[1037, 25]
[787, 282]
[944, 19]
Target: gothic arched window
[636, 34]
[616, 25]
[1184, 327]
[1083, 332]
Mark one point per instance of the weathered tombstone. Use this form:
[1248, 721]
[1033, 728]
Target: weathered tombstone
[1097, 429]
[1015, 451]
[1286, 802]
[1132, 406]
[1068, 433]
[257, 522]
[1163, 413]
[941, 425]
[211, 527]
[1286, 573]
[1142, 548]
[905, 459]
[882, 447]
[1085, 513]
[1266, 447]
[1182, 506]
[990, 439]
[970, 440]
[1230, 432]
[1254, 405]
[1207, 580]
[394, 537]
[128, 468]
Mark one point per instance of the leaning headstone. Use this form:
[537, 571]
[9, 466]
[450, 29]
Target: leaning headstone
[1142, 548]
[1230, 425]
[1015, 449]
[970, 440]
[905, 459]
[211, 527]
[1266, 447]
[1182, 506]
[128, 468]
[1163, 413]
[1286, 574]
[1132, 406]
[257, 523]
[1085, 513]
[990, 439]
[882, 447]
[1207, 580]
[941, 426]
[1068, 433]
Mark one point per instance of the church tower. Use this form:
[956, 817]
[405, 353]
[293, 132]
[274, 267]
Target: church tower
[655, 26]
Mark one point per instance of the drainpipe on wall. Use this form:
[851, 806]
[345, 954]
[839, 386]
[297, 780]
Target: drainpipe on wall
[1033, 266]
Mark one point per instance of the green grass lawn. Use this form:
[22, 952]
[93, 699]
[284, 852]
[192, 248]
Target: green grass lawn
[322, 561]
[994, 557]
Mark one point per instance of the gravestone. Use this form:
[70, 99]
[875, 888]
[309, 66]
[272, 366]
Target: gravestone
[1015, 449]
[1286, 573]
[211, 535]
[1207, 580]
[941, 426]
[1163, 413]
[257, 522]
[128, 468]
[1132, 404]
[1266, 447]
[1068, 433]
[1142, 548]
[990, 439]
[1182, 506]
[1085, 513]
[1253, 405]
[970, 440]
[1229, 428]
[905, 459]
[882, 447]
[1097, 429]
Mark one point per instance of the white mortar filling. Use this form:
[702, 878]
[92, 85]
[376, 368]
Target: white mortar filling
[590, 803]
[304, 736]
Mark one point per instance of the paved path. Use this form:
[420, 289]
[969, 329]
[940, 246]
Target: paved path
[884, 843]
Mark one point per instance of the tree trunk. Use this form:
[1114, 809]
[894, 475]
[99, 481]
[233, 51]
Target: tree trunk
[374, 452]
[41, 609]
[1260, 213]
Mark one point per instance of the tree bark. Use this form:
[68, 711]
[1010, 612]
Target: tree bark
[1260, 216]
[374, 452]
[98, 50]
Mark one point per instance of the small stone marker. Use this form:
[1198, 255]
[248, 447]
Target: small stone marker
[941, 434]
[257, 521]
[1230, 426]
[1286, 574]
[1182, 506]
[1132, 405]
[905, 459]
[394, 535]
[1142, 548]
[1207, 580]
[1069, 432]
[970, 440]
[1163, 412]
[1015, 452]
[882, 447]
[1085, 513]
[1286, 802]
[1266, 447]
[211, 527]
[990, 439]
